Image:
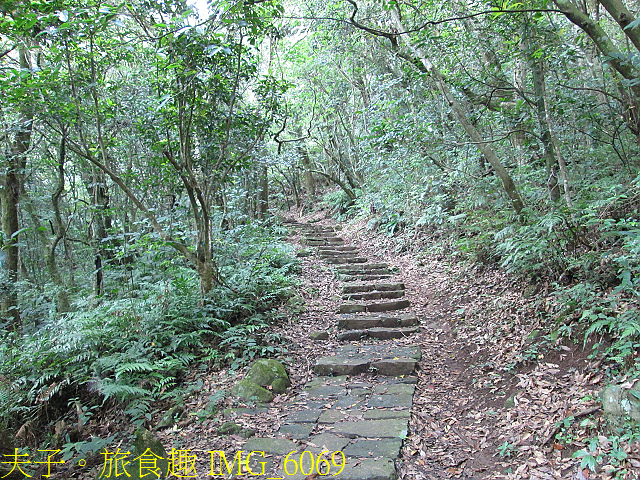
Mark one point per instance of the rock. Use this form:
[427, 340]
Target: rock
[319, 335]
[621, 405]
[369, 469]
[370, 287]
[303, 252]
[251, 391]
[383, 414]
[337, 260]
[374, 295]
[280, 385]
[362, 268]
[170, 418]
[363, 277]
[332, 442]
[275, 446]
[381, 333]
[374, 307]
[268, 372]
[388, 447]
[386, 306]
[341, 366]
[351, 335]
[338, 248]
[325, 391]
[390, 401]
[296, 431]
[149, 447]
[229, 428]
[352, 308]
[303, 416]
[394, 367]
[331, 416]
[394, 389]
[390, 428]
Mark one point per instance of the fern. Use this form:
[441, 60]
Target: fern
[122, 392]
[133, 367]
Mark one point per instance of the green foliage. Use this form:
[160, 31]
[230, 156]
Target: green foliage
[538, 249]
[250, 340]
[134, 348]
[609, 451]
[507, 450]
[339, 203]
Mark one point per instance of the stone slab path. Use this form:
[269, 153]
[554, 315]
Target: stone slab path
[350, 420]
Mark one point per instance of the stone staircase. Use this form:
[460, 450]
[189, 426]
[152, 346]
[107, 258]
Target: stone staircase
[359, 404]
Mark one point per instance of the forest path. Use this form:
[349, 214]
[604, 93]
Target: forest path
[411, 345]
[356, 405]
[480, 409]
[469, 405]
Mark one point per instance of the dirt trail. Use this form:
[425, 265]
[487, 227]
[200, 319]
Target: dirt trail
[480, 409]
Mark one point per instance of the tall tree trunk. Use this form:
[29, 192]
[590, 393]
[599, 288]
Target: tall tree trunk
[11, 184]
[418, 59]
[100, 225]
[264, 193]
[309, 180]
[59, 232]
[548, 153]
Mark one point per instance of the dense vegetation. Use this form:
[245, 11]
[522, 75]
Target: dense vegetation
[142, 146]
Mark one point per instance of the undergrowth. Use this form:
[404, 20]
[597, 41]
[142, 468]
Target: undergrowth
[134, 346]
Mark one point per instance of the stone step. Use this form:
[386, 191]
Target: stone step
[333, 260]
[363, 322]
[362, 269]
[328, 237]
[365, 277]
[337, 253]
[374, 307]
[377, 333]
[364, 419]
[337, 248]
[316, 242]
[370, 287]
[374, 295]
[318, 234]
[341, 255]
[367, 267]
[386, 360]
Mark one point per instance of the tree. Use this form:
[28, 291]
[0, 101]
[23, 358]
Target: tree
[194, 122]
[417, 58]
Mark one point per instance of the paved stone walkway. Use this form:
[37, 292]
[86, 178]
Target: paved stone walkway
[358, 406]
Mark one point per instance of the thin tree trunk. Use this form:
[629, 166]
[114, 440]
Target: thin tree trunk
[59, 229]
[264, 193]
[614, 57]
[548, 153]
[423, 63]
